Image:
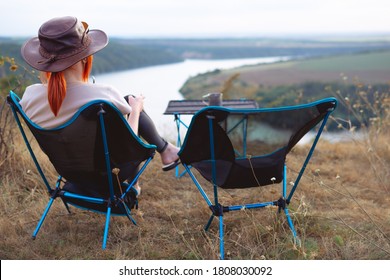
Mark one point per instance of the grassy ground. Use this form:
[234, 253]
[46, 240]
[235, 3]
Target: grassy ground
[341, 209]
[340, 212]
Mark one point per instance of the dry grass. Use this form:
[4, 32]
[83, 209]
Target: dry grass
[340, 209]
[341, 212]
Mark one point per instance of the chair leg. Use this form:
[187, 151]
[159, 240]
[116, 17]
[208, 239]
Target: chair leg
[297, 241]
[43, 218]
[221, 234]
[207, 226]
[66, 206]
[221, 239]
[106, 227]
[282, 203]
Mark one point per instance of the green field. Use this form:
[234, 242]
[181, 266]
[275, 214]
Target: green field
[378, 61]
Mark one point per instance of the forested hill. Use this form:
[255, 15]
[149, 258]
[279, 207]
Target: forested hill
[116, 56]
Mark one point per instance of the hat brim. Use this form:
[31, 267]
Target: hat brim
[30, 53]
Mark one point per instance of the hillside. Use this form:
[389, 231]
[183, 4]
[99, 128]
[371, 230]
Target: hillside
[286, 83]
[340, 209]
[367, 68]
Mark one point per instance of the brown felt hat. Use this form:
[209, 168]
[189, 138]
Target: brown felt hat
[61, 43]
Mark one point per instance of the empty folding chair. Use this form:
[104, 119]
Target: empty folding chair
[245, 148]
[97, 156]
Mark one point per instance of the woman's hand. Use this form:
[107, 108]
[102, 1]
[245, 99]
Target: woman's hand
[136, 103]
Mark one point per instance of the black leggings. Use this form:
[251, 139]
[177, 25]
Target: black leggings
[148, 131]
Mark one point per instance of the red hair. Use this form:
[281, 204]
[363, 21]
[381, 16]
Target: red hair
[87, 68]
[56, 86]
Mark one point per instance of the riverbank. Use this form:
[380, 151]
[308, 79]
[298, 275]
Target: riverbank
[359, 81]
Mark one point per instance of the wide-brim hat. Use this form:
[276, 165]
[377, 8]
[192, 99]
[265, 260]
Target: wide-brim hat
[61, 43]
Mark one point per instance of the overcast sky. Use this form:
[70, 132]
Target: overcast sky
[197, 18]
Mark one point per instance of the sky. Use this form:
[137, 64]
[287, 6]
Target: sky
[202, 18]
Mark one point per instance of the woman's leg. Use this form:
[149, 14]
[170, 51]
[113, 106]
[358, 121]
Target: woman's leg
[148, 131]
[168, 152]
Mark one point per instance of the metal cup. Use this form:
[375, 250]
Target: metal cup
[214, 99]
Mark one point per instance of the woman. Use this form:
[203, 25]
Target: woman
[63, 53]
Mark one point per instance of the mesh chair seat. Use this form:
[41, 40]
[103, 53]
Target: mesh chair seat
[247, 148]
[241, 172]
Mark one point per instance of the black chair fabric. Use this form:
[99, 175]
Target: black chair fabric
[250, 145]
[76, 152]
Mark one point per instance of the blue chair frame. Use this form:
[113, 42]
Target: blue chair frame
[105, 205]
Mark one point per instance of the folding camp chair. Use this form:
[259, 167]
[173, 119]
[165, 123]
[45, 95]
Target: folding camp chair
[97, 156]
[244, 148]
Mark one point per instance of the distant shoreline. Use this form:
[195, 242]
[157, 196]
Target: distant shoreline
[126, 54]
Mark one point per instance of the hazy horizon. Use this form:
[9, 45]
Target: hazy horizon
[204, 18]
[361, 36]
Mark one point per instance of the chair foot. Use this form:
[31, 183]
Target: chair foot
[297, 241]
[106, 227]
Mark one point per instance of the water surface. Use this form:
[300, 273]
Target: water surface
[160, 84]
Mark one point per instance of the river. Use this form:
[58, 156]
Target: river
[160, 84]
